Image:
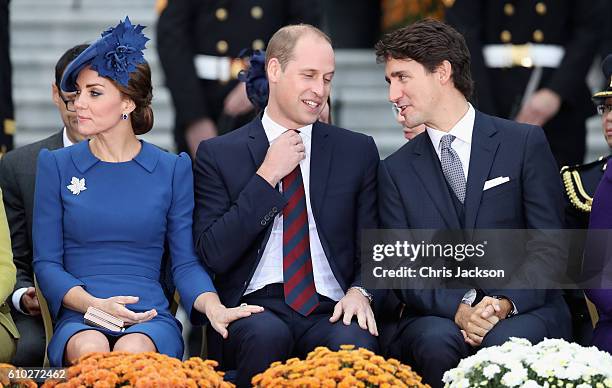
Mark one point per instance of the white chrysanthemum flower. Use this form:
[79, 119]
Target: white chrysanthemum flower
[463, 383]
[515, 377]
[491, 370]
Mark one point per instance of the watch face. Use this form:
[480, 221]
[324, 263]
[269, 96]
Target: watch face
[470, 296]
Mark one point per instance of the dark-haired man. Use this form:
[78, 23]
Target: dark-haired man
[468, 170]
[17, 177]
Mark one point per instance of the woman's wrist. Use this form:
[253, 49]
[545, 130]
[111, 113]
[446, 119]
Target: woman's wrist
[207, 302]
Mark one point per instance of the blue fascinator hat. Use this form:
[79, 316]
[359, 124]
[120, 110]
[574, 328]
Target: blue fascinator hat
[255, 79]
[115, 55]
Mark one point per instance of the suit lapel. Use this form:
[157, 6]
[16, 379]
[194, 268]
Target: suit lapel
[258, 147]
[55, 141]
[484, 147]
[428, 169]
[320, 163]
[257, 142]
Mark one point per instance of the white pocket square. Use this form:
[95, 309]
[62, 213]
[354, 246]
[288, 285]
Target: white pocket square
[495, 182]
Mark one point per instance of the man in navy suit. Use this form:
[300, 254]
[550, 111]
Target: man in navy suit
[280, 204]
[468, 170]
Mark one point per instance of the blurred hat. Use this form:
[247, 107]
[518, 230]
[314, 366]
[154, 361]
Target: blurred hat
[255, 78]
[606, 67]
[115, 55]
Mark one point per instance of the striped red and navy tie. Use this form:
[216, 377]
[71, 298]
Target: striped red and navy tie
[300, 292]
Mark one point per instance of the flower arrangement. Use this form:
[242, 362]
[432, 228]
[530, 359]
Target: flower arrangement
[348, 367]
[8, 381]
[114, 369]
[518, 363]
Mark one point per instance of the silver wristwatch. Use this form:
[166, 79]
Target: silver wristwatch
[363, 291]
[470, 297]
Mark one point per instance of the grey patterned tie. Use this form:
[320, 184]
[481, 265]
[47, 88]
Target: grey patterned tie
[451, 166]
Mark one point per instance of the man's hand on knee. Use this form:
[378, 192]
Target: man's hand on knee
[355, 304]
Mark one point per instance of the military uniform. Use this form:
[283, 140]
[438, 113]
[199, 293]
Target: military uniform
[580, 183]
[509, 39]
[7, 122]
[199, 41]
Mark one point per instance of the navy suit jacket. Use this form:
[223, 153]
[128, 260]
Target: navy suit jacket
[235, 207]
[413, 194]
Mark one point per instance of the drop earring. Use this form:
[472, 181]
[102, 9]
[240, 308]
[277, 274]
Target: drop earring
[124, 116]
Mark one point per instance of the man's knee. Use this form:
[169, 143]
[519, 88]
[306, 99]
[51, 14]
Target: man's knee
[261, 331]
[428, 333]
[531, 328]
[351, 335]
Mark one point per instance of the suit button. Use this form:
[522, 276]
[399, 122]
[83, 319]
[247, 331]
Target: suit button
[263, 223]
[221, 14]
[274, 209]
[258, 44]
[509, 9]
[538, 36]
[257, 12]
[540, 8]
[222, 46]
[267, 218]
[505, 36]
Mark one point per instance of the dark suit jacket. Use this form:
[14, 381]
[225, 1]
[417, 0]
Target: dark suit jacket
[235, 207]
[413, 194]
[17, 178]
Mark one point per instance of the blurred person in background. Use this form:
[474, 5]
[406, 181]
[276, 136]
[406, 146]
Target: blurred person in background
[8, 331]
[601, 219]
[7, 117]
[580, 183]
[17, 177]
[199, 44]
[409, 133]
[529, 63]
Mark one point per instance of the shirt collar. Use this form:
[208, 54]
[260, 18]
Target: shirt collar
[84, 159]
[65, 139]
[274, 130]
[462, 130]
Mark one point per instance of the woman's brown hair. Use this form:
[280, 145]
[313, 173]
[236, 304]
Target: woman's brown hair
[140, 90]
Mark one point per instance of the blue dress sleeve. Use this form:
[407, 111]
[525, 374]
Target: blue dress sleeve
[190, 276]
[48, 234]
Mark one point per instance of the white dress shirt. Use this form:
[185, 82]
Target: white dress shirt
[463, 138]
[16, 298]
[270, 268]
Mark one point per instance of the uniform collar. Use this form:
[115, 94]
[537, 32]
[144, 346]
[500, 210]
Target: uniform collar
[84, 159]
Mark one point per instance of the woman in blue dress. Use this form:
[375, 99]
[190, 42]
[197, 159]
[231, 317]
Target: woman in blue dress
[104, 208]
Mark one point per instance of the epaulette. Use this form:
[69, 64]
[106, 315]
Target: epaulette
[574, 187]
